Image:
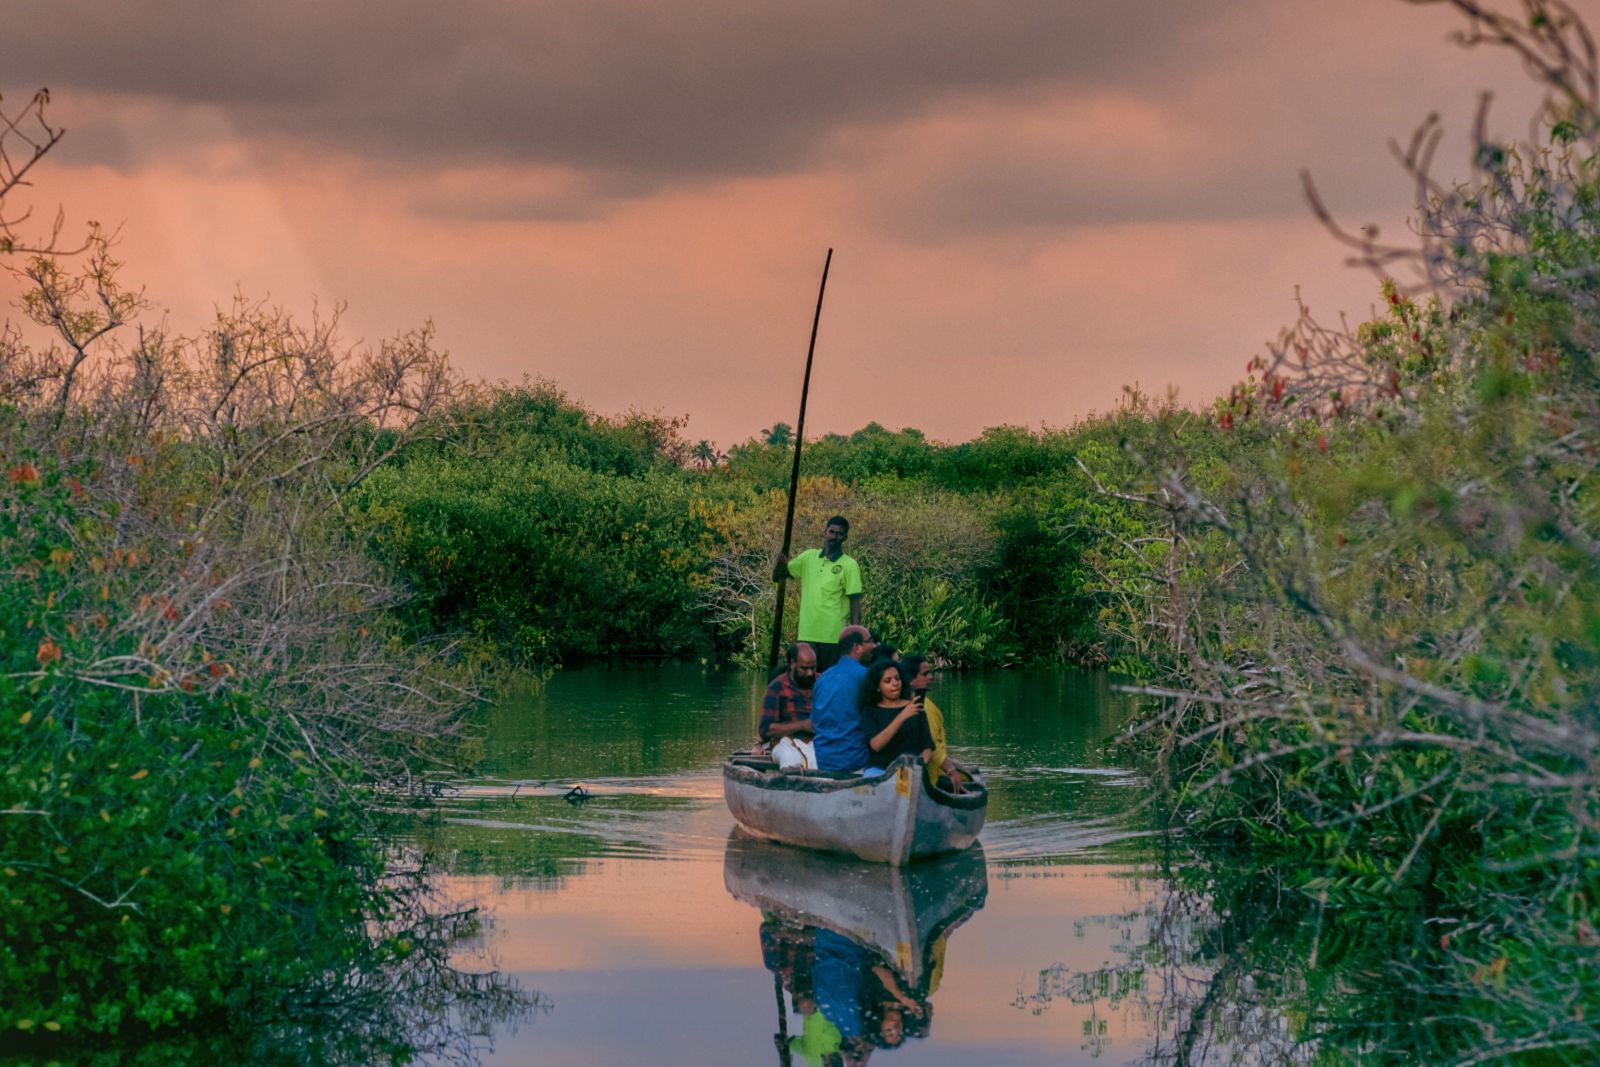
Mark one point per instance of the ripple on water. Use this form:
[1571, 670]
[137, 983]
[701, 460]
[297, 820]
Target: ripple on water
[1062, 836]
[696, 786]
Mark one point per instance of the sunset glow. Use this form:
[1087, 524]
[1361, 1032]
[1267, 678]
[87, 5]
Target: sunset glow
[1031, 207]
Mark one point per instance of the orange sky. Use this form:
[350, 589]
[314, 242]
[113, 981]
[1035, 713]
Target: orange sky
[1033, 202]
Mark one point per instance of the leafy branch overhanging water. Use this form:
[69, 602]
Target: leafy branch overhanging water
[1380, 681]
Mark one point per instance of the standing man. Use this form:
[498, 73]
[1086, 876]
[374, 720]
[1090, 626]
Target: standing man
[840, 741]
[830, 591]
[786, 710]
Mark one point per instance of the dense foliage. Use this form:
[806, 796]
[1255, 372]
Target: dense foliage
[1384, 662]
[202, 682]
[1362, 595]
[543, 532]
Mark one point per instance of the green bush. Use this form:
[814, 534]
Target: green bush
[167, 855]
[1384, 647]
[543, 560]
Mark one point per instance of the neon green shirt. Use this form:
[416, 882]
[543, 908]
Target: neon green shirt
[826, 586]
[818, 1039]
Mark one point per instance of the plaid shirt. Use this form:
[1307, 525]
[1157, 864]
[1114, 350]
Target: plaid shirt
[784, 703]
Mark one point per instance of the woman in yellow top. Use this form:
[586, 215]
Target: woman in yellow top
[917, 674]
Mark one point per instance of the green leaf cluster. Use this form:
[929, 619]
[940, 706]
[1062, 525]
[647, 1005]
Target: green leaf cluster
[167, 860]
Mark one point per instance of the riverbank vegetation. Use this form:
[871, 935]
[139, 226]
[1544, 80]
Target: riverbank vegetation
[1379, 716]
[540, 532]
[203, 678]
[249, 575]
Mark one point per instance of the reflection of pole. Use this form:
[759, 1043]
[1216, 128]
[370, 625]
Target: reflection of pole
[781, 1038]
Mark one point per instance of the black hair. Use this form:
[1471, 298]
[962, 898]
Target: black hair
[910, 667]
[850, 640]
[838, 520]
[870, 694]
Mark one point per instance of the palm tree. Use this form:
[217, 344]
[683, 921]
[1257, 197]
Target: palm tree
[780, 434]
[703, 454]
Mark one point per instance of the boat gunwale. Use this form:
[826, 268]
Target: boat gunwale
[767, 775]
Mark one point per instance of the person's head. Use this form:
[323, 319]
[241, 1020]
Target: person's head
[835, 531]
[802, 665]
[857, 643]
[854, 1051]
[917, 674]
[892, 1027]
[881, 684]
[886, 651]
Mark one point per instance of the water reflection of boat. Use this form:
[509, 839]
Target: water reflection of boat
[894, 819]
[859, 947]
[897, 912]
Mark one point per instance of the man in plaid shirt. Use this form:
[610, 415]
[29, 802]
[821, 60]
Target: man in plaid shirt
[786, 710]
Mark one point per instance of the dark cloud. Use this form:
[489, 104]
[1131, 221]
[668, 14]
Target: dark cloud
[662, 91]
[1316, 94]
[496, 195]
[1003, 185]
[544, 110]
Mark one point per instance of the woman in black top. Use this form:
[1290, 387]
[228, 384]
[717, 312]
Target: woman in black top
[893, 722]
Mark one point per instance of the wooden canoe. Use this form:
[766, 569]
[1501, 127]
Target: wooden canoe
[895, 819]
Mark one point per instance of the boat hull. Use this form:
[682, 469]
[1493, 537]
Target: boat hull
[895, 819]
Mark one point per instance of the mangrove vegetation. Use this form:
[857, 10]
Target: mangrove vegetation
[253, 580]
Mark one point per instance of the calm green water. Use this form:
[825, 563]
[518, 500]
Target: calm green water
[651, 933]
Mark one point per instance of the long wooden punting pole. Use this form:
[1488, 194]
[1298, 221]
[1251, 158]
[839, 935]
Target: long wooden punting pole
[794, 474]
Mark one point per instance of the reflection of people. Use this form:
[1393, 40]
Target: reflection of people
[786, 710]
[818, 1039]
[835, 712]
[786, 951]
[859, 983]
[838, 974]
[865, 998]
[830, 590]
[892, 721]
[899, 1014]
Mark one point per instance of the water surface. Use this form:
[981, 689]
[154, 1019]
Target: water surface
[653, 933]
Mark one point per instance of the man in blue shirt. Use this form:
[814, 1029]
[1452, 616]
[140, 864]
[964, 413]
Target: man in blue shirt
[840, 742]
